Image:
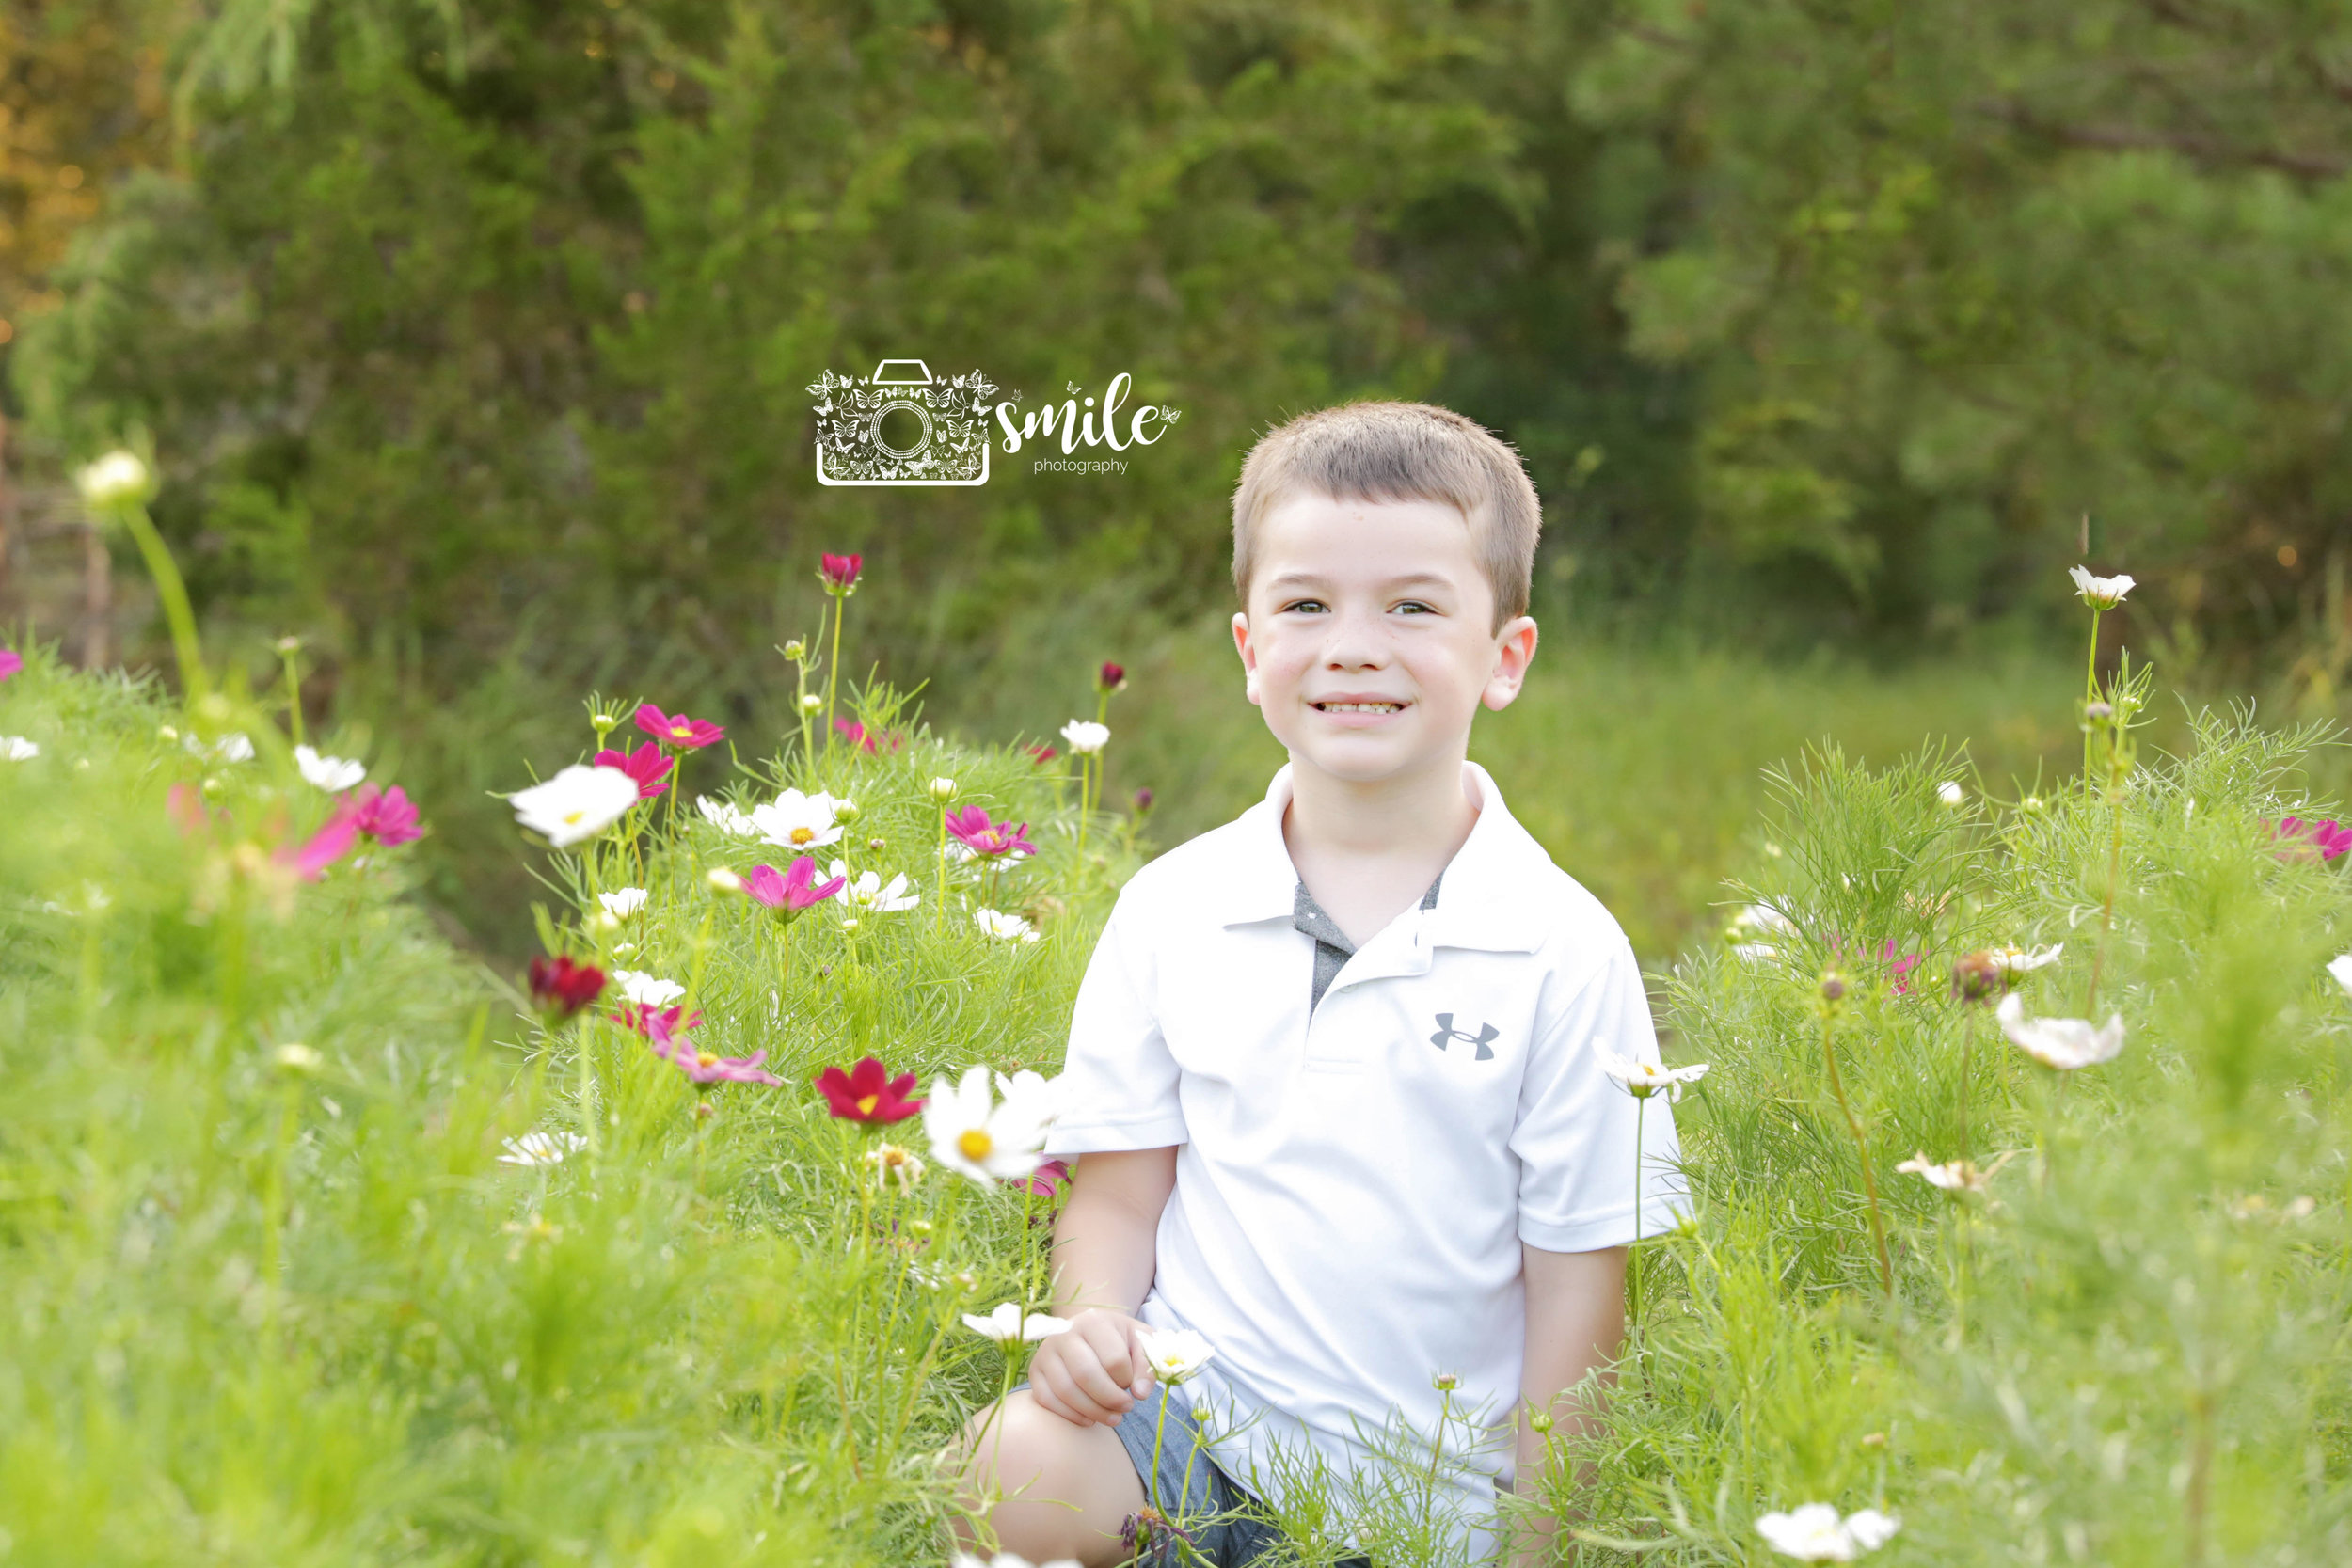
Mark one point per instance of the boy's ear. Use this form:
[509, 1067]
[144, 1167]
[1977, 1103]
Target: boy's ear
[1248, 654]
[1514, 653]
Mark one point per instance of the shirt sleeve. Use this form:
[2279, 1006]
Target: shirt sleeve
[1118, 1088]
[1577, 1133]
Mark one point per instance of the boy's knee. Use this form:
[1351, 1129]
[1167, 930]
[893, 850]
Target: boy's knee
[1045, 1486]
[1013, 1440]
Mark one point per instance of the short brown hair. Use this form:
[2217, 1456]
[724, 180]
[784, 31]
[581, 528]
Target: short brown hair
[1399, 452]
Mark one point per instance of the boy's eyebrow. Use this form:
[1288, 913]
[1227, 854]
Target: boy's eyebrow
[1315, 580]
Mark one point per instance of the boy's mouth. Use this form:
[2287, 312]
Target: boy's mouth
[1358, 708]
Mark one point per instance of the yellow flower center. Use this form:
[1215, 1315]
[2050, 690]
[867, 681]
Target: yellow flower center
[802, 835]
[704, 1058]
[866, 1108]
[974, 1145]
[572, 816]
[679, 731]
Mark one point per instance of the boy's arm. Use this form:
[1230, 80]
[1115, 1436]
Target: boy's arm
[1105, 1255]
[1575, 1321]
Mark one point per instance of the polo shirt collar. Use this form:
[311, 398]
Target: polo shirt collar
[1484, 896]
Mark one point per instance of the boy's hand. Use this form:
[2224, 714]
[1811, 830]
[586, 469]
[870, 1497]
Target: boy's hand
[1095, 1372]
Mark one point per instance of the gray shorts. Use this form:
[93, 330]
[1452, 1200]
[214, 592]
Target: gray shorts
[1223, 1524]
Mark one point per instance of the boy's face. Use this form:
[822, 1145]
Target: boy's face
[1368, 640]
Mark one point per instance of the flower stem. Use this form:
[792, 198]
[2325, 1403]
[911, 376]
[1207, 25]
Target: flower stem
[1633, 1253]
[294, 697]
[2091, 687]
[1862, 1148]
[833, 665]
[174, 594]
[939, 911]
[2115, 866]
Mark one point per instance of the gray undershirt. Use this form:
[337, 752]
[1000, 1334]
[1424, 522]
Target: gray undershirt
[1332, 948]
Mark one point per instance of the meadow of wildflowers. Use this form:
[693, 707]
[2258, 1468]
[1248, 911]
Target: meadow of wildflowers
[2016, 1125]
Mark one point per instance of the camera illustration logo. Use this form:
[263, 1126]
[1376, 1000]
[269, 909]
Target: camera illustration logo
[902, 425]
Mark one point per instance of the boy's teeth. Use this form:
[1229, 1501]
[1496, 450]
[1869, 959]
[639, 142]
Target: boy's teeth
[1360, 707]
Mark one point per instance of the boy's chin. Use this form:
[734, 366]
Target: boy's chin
[1367, 760]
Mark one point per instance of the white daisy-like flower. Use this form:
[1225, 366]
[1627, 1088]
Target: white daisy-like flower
[796, 821]
[2064, 1043]
[1642, 1079]
[649, 989]
[15, 748]
[1009, 1325]
[1759, 918]
[1952, 1176]
[2103, 593]
[541, 1149]
[868, 892]
[2342, 970]
[2015, 961]
[1010, 927]
[1815, 1534]
[725, 816]
[236, 746]
[1175, 1353]
[971, 1133]
[623, 901]
[332, 774]
[579, 802]
[1086, 736]
[1037, 1097]
[119, 476]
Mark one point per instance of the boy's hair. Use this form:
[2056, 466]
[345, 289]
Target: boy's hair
[1398, 451]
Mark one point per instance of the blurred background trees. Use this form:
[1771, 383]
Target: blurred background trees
[473, 334]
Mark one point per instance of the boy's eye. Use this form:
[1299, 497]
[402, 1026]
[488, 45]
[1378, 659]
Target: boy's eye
[1303, 604]
[1416, 604]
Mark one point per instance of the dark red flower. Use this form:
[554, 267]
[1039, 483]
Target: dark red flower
[868, 1093]
[646, 765]
[1110, 677]
[840, 572]
[562, 986]
[1042, 753]
[386, 815]
[676, 729]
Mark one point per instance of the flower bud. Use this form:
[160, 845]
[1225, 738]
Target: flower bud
[1541, 1419]
[2098, 712]
[1976, 977]
[943, 790]
[811, 703]
[844, 812]
[604, 923]
[796, 650]
[604, 724]
[288, 645]
[724, 880]
[704, 1110]
[2031, 802]
[299, 1058]
[1949, 792]
[1445, 1383]
[165, 732]
[877, 845]
[1833, 985]
[1143, 799]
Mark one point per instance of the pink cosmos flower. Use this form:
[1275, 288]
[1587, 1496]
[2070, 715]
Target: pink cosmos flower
[791, 890]
[704, 1067]
[324, 847]
[386, 815]
[2320, 841]
[10, 662]
[840, 572]
[1046, 1182]
[676, 729]
[644, 1018]
[972, 829]
[1042, 753]
[646, 765]
[865, 739]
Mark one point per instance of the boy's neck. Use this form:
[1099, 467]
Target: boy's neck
[1409, 817]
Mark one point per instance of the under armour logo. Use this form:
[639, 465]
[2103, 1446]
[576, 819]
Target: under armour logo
[1447, 1034]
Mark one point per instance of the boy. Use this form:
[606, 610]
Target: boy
[1335, 1067]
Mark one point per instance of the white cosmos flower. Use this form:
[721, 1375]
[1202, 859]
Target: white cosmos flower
[1642, 1079]
[236, 746]
[1011, 927]
[15, 748]
[541, 1149]
[1036, 1096]
[868, 892]
[2015, 961]
[332, 774]
[1814, 1533]
[624, 902]
[987, 1141]
[119, 476]
[2065, 1043]
[1760, 917]
[649, 990]
[1954, 1175]
[579, 802]
[2106, 593]
[2341, 969]
[796, 821]
[1086, 736]
[1950, 793]
[725, 816]
[1175, 1353]
[1009, 1325]
[1755, 952]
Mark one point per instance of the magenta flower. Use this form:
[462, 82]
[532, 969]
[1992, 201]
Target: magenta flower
[646, 765]
[10, 662]
[1046, 1182]
[865, 739]
[972, 829]
[324, 847]
[704, 1067]
[840, 572]
[676, 729]
[2320, 841]
[791, 891]
[386, 816]
[644, 1018]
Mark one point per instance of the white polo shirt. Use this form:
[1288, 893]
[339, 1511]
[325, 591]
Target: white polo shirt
[1353, 1185]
